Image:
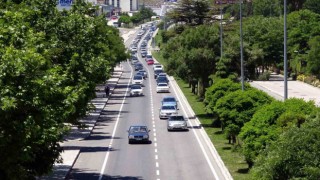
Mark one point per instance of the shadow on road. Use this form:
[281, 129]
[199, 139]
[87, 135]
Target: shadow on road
[88, 175]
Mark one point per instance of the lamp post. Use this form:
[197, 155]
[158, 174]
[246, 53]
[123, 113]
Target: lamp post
[241, 49]
[285, 66]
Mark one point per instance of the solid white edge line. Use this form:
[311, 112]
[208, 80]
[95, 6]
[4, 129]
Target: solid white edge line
[211, 147]
[196, 135]
[114, 130]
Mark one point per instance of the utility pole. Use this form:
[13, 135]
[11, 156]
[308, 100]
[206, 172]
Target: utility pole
[285, 66]
[221, 29]
[241, 49]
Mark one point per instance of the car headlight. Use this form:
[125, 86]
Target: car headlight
[131, 137]
[145, 136]
[162, 113]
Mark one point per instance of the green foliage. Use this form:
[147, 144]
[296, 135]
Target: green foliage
[190, 12]
[264, 76]
[144, 13]
[294, 155]
[267, 7]
[50, 63]
[269, 122]
[238, 107]
[124, 19]
[302, 27]
[198, 49]
[217, 90]
[312, 5]
[313, 57]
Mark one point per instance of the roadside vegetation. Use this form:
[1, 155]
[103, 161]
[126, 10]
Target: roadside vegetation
[252, 132]
[143, 15]
[50, 64]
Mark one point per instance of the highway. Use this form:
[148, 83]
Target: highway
[106, 154]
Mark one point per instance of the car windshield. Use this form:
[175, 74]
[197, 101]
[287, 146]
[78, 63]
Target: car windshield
[158, 71]
[162, 78]
[168, 107]
[176, 118]
[149, 56]
[169, 100]
[135, 87]
[137, 77]
[138, 129]
[162, 84]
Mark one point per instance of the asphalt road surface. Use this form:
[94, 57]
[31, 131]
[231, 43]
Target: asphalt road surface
[182, 155]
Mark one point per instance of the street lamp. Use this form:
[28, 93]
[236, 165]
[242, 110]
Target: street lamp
[285, 67]
[241, 48]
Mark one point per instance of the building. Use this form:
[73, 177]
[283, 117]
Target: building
[123, 5]
[108, 7]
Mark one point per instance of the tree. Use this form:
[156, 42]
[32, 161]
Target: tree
[295, 155]
[267, 8]
[312, 5]
[237, 108]
[198, 49]
[313, 57]
[302, 27]
[190, 12]
[50, 63]
[124, 19]
[269, 122]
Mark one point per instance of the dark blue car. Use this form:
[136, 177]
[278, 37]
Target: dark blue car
[138, 134]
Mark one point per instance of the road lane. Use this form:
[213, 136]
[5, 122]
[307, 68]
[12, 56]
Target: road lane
[171, 155]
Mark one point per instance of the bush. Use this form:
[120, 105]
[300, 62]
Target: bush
[264, 76]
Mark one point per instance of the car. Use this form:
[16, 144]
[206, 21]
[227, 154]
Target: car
[114, 17]
[138, 133]
[141, 32]
[157, 67]
[176, 122]
[170, 100]
[157, 72]
[134, 57]
[137, 79]
[162, 74]
[143, 53]
[141, 74]
[162, 79]
[134, 49]
[155, 64]
[145, 74]
[138, 66]
[167, 110]
[162, 87]
[148, 56]
[133, 62]
[136, 90]
[150, 61]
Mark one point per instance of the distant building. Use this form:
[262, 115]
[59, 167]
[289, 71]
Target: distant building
[226, 1]
[108, 7]
[124, 5]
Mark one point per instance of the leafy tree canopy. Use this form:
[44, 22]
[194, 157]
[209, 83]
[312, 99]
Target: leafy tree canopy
[50, 63]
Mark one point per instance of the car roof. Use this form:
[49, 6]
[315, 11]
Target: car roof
[138, 126]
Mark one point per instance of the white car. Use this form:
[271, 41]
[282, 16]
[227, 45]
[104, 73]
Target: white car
[177, 122]
[134, 49]
[137, 79]
[163, 87]
[136, 90]
[167, 110]
[158, 67]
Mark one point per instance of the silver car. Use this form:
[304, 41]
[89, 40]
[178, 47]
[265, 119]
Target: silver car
[167, 110]
[177, 122]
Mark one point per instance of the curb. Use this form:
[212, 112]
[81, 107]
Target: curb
[67, 176]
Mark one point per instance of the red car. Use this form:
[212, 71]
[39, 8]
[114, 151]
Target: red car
[150, 61]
